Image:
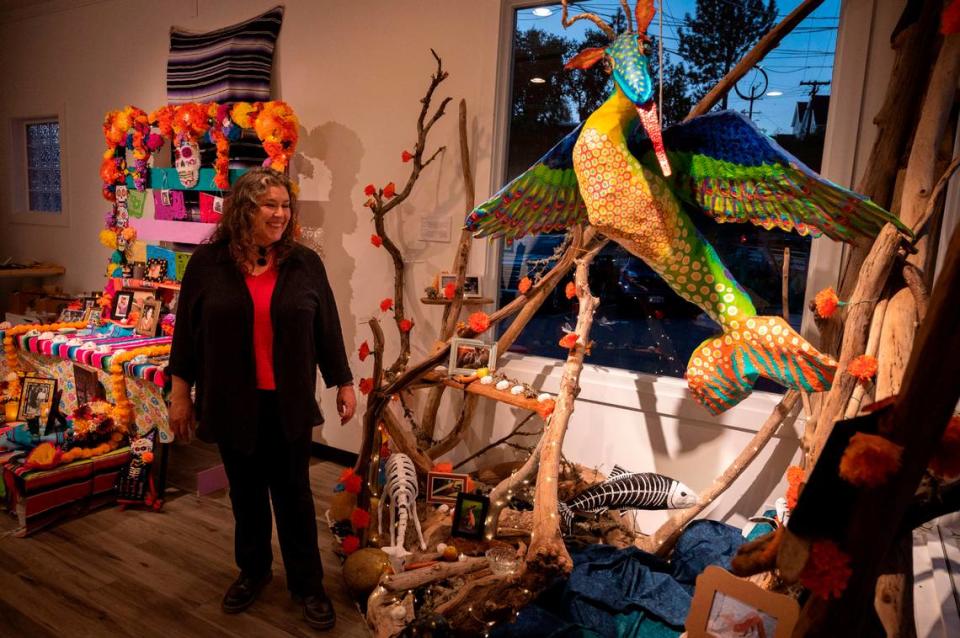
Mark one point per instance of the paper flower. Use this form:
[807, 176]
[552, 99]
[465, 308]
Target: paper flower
[240, 114]
[366, 385]
[545, 408]
[795, 482]
[571, 290]
[386, 304]
[364, 351]
[945, 463]
[390, 190]
[369, 190]
[478, 322]
[863, 367]
[108, 238]
[569, 340]
[442, 466]
[350, 544]
[449, 290]
[406, 325]
[406, 157]
[352, 483]
[869, 460]
[827, 570]
[376, 240]
[825, 303]
[524, 285]
[360, 519]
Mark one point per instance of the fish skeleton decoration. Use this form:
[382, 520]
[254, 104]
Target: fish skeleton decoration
[629, 490]
[639, 186]
[401, 490]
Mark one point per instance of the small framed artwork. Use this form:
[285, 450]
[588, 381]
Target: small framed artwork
[471, 287]
[89, 388]
[445, 279]
[71, 314]
[443, 487]
[470, 515]
[93, 316]
[725, 605]
[469, 355]
[122, 304]
[149, 316]
[156, 270]
[36, 397]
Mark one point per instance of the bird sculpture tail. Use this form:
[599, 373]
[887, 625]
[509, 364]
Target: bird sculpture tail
[723, 369]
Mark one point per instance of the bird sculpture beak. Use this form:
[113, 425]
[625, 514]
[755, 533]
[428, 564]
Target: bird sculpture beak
[651, 124]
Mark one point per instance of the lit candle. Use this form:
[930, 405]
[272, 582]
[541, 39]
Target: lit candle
[10, 411]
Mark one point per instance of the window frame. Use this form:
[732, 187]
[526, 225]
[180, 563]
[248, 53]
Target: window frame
[843, 144]
[20, 212]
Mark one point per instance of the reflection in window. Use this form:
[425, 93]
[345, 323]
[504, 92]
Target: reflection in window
[641, 324]
[43, 166]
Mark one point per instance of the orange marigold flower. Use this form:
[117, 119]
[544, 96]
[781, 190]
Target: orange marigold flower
[353, 484]
[442, 466]
[406, 325]
[524, 285]
[945, 463]
[369, 190]
[386, 304]
[478, 322]
[449, 290]
[350, 544]
[344, 475]
[826, 303]
[863, 367]
[366, 385]
[360, 518]
[545, 408]
[364, 351]
[570, 290]
[569, 340]
[406, 156]
[795, 482]
[390, 190]
[376, 240]
[827, 570]
[869, 460]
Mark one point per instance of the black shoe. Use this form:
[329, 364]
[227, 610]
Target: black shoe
[243, 592]
[318, 611]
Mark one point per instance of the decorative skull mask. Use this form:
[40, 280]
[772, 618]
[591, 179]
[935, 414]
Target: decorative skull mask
[188, 163]
[141, 445]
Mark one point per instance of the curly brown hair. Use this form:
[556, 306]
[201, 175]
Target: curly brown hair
[240, 208]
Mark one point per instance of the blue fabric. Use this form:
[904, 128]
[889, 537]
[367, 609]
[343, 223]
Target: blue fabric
[627, 593]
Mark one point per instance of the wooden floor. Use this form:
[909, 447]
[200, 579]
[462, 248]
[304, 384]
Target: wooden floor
[139, 573]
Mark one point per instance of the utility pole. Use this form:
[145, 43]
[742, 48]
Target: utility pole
[808, 116]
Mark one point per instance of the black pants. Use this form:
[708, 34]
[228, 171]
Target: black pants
[277, 470]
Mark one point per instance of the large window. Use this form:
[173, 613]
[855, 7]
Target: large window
[641, 323]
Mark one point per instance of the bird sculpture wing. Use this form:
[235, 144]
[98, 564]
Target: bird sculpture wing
[726, 167]
[545, 198]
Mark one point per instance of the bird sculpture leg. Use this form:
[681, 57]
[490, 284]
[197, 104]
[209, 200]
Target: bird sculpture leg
[722, 370]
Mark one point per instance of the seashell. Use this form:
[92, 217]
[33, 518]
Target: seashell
[140, 358]
[503, 385]
[487, 380]
[543, 397]
[517, 389]
[89, 345]
[74, 342]
[441, 547]
[59, 339]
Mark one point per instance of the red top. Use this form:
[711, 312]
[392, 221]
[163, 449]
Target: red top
[261, 290]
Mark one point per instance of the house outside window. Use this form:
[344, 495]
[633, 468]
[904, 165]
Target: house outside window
[641, 324]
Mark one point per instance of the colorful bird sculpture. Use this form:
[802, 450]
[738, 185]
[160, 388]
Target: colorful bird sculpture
[639, 187]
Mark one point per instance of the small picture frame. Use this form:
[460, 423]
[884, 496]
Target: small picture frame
[149, 317]
[93, 316]
[36, 398]
[443, 487]
[156, 270]
[471, 287]
[725, 605]
[71, 314]
[89, 388]
[122, 305]
[445, 279]
[469, 355]
[470, 515]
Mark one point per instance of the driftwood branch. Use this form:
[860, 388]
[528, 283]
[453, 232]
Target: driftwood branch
[500, 495]
[514, 432]
[920, 228]
[417, 577]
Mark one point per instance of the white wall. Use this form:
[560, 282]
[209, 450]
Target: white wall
[354, 71]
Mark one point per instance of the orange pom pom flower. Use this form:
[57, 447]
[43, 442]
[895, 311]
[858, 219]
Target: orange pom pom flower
[386, 304]
[795, 483]
[571, 290]
[449, 290]
[826, 303]
[869, 460]
[945, 463]
[569, 340]
[524, 285]
[478, 322]
[827, 570]
[863, 367]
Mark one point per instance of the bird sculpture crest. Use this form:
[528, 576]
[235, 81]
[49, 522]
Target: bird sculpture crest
[639, 186]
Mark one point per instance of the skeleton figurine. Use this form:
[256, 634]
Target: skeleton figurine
[187, 162]
[401, 489]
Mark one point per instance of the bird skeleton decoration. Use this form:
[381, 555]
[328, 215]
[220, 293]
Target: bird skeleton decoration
[640, 186]
[401, 490]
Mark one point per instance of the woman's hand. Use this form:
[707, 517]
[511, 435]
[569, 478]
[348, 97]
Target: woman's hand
[180, 412]
[346, 403]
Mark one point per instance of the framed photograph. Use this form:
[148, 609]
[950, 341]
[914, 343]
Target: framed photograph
[89, 388]
[443, 487]
[149, 316]
[122, 304]
[93, 316]
[725, 605]
[71, 314]
[156, 270]
[445, 279]
[471, 287]
[36, 397]
[470, 515]
[469, 355]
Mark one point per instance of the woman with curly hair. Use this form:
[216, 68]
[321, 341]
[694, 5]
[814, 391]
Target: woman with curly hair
[255, 319]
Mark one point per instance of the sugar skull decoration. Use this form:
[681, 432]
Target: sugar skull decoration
[187, 163]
